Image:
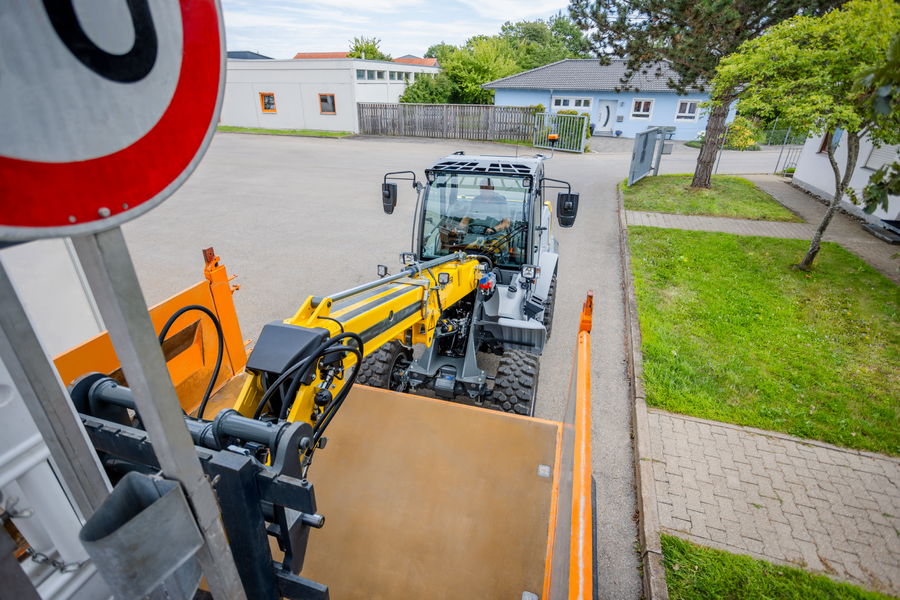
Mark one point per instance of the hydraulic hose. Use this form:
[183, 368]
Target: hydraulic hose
[331, 345]
[302, 364]
[215, 375]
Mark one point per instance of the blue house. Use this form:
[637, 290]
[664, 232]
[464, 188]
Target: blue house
[587, 86]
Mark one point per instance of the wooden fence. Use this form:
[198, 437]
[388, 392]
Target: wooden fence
[454, 121]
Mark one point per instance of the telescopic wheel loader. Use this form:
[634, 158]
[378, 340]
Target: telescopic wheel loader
[424, 498]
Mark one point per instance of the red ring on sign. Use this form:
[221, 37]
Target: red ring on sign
[39, 194]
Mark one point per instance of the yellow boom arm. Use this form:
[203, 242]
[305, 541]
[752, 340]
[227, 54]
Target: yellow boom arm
[404, 307]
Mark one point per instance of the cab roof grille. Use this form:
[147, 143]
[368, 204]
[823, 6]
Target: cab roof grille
[496, 167]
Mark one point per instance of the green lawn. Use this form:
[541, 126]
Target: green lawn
[306, 132]
[697, 573]
[729, 197]
[732, 333]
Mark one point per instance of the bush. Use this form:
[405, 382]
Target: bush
[742, 134]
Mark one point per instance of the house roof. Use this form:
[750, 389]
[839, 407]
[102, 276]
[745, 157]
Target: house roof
[321, 55]
[585, 74]
[246, 55]
[408, 56]
[426, 62]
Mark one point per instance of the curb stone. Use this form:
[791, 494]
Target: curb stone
[654, 579]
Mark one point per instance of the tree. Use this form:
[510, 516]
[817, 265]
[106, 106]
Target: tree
[566, 31]
[427, 90]
[691, 36]
[805, 69]
[369, 47]
[482, 59]
[436, 50]
[880, 86]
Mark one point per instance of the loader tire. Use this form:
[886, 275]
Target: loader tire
[378, 367]
[516, 383]
[549, 305]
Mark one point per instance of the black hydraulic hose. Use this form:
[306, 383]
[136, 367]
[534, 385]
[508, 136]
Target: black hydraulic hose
[335, 404]
[328, 346]
[299, 365]
[483, 257]
[215, 375]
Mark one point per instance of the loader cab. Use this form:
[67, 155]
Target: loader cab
[481, 205]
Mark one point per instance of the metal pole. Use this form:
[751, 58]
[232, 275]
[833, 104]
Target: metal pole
[38, 382]
[110, 272]
[773, 128]
[783, 144]
[722, 149]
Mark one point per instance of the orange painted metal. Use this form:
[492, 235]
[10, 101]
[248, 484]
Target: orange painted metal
[581, 563]
[192, 359]
[554, 514]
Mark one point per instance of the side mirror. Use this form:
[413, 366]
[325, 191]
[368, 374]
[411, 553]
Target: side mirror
[566, 208]
[389, 197]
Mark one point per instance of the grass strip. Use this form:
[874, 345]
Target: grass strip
[697, 573]
[732, 333]
[300, 132]
[733, 197]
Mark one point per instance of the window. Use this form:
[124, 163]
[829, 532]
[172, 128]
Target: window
[829, 137]
[406, 75]
[371, 74]
[380, 74]
[562, 102]
[360, 74]
[392, 76]
[641, 109]
[326, 104]
[882, 156]
[267, 101]
[687, 110]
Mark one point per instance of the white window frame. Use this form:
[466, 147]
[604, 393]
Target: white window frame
[652, 102]
[687, 118]
[571, 105]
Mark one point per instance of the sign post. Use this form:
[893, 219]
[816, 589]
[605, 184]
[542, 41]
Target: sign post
[103, 120]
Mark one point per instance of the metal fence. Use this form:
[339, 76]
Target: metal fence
[451, 121]
[572, 130]
[778, 137]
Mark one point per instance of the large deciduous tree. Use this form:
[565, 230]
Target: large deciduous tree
[692, 36]
[804, 68]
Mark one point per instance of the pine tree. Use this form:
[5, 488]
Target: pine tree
[691, 36]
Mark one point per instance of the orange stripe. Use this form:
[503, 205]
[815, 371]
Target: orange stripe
[581, 562]
[554, 506]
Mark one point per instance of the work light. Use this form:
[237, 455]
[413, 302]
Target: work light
[407, 258]
[530, 272]
[443, 278]
[382, 271]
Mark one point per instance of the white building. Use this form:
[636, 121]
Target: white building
[319, 94]
[814, 173]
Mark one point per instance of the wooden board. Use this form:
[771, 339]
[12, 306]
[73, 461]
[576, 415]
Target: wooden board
[431, 500]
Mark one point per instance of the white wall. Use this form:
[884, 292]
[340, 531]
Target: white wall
[297, 85]
[49, 281]
[814, 173]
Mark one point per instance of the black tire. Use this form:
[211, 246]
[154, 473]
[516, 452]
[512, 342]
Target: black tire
[516, 383]
[378, 367]
[549, 305]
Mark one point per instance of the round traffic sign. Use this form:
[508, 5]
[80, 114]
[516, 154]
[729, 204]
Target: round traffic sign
[108, 106]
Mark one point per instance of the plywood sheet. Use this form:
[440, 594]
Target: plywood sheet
[431, 500]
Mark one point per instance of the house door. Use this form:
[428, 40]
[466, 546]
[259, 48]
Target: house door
[606, 117]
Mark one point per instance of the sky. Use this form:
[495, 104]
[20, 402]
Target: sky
[281, 28]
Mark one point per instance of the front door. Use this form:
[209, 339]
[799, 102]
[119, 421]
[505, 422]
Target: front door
[606, 117]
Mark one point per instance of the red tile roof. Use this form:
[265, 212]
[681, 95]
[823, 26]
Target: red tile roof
[321, 55]
[428, 62]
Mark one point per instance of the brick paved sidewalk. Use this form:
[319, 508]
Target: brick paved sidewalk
[779, 498]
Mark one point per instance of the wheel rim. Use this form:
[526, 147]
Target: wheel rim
[400, 363]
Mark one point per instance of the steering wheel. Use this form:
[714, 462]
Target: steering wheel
[479, 228]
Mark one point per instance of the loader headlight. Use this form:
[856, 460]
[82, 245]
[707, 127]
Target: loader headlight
[382, 271]
[531, 272]
[443, 278]
[429, 175]
[407, 258]
[527, 183]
